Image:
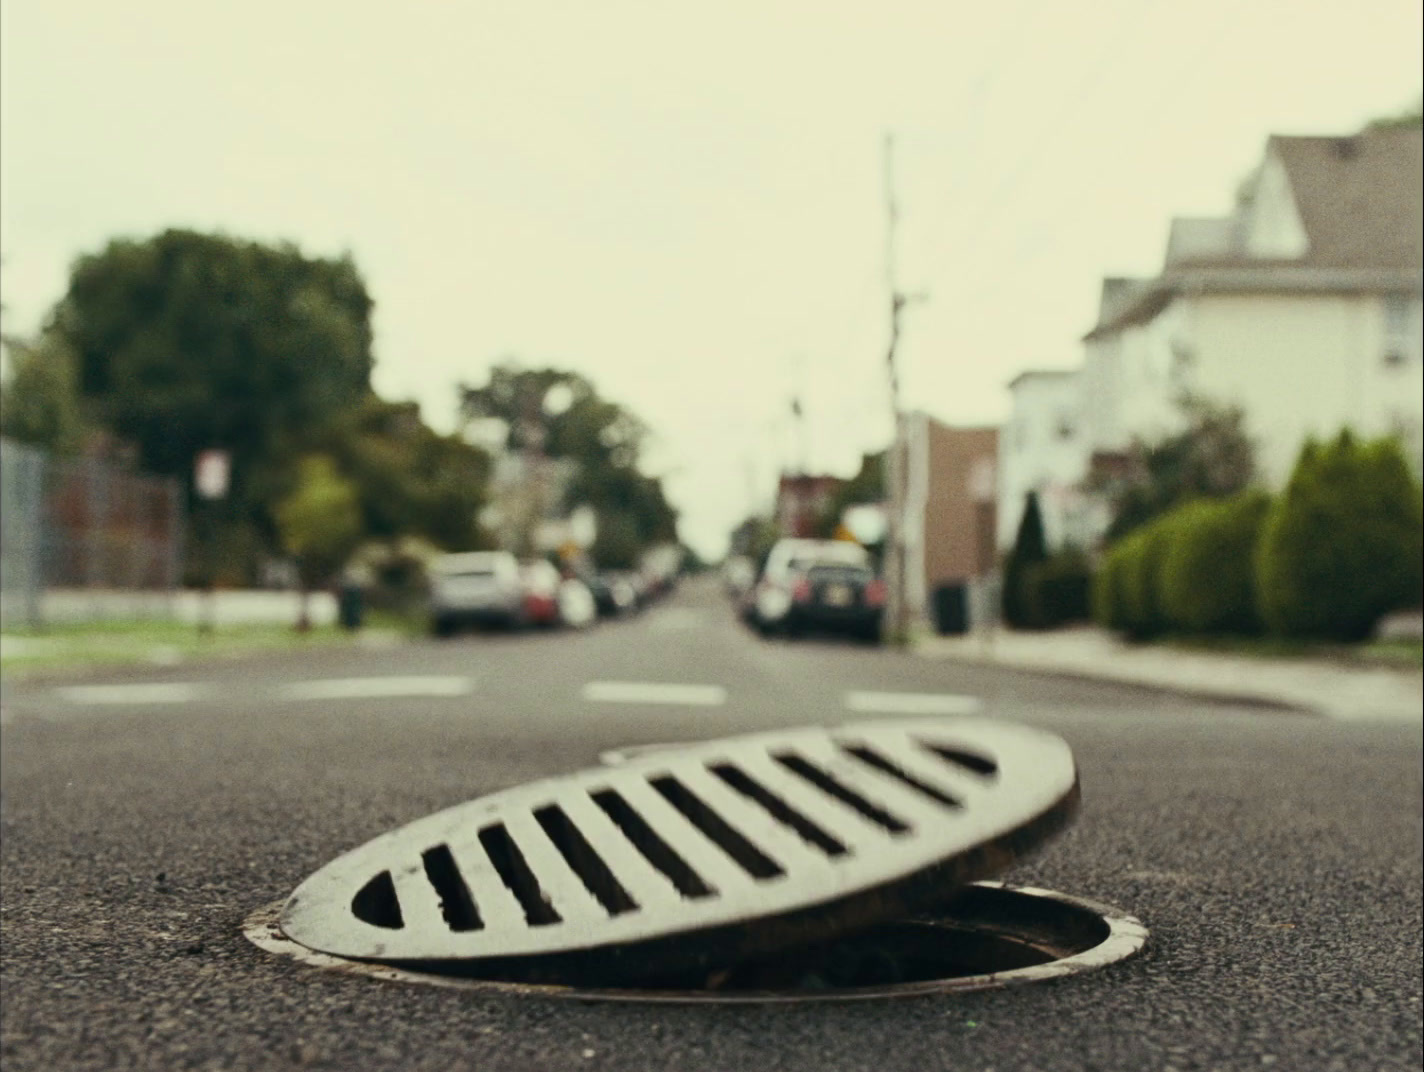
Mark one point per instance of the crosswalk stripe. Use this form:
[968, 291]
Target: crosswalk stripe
[167, 692]
[650, 692]
[358, 688]
[912, 703]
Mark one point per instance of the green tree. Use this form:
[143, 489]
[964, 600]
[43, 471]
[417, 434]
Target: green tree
[616, 545]
[320, 523]
[186, 341]
[1212, 457]
[867, 486]
[560, 414]
[411, 481]
[1412, 117]
[1030, 548]
[40, 403]
[1342, 546]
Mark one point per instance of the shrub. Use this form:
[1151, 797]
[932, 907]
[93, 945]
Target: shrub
[1056, 591]
[1106, 593]
[1144, 551]
[1029, 550]
[1208, 576]
[1342, 546]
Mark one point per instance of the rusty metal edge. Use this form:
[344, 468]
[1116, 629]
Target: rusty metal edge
[1126, 937]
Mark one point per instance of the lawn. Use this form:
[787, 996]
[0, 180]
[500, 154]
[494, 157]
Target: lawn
[163, 642]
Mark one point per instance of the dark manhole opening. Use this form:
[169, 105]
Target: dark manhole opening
[985, 933]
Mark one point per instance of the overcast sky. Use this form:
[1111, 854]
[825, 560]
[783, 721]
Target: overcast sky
[685, 203]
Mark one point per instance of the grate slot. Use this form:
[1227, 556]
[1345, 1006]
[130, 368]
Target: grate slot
[777, 808]
[591, 869]
[375, 903]
[751, 859]
[498, 908]
[456, 904]
[957, 757]
[653, 848]
[872, 758]
[504, 854]
[803, 768]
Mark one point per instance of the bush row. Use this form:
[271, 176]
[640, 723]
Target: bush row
[1339, 548]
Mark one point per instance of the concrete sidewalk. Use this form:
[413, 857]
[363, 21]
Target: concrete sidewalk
[1323, 686]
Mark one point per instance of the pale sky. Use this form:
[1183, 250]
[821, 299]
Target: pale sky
[686, 204]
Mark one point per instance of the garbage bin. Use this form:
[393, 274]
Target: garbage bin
[951, 609]
[350, 605]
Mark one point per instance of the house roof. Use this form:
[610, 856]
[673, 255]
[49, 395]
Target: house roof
[1041, 374]
[1359, 200]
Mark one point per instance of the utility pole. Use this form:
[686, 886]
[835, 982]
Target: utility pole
[896, 617]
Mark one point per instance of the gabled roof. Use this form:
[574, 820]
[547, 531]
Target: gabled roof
[1358, 197]
[1359, 200]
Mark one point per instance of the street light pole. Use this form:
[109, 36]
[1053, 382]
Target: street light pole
[897, 627]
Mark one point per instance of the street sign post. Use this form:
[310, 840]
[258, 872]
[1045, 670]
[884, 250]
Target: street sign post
[212, 476]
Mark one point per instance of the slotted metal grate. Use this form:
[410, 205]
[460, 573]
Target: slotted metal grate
[758, 840]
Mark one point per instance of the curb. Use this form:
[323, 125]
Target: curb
[1077, 674]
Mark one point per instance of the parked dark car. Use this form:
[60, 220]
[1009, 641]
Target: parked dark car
[838, 598]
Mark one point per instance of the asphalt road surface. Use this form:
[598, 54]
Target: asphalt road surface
[1275, 857]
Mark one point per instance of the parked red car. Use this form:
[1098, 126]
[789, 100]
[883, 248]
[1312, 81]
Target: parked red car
[540, 581]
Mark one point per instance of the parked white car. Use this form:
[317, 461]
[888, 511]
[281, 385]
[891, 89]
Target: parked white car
[476, 587]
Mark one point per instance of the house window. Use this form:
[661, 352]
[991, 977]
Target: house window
[1397, 310]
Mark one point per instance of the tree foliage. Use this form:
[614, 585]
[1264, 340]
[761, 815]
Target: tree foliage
[1411, 118]
[320, 521]
[1212, 457]
[1342, 546]
[410, 480]
[187, 341]
[560, 414]
[867, 486]
[40, 403]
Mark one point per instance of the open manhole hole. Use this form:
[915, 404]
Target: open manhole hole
[794, 863]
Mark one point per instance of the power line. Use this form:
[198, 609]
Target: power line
[1215, 37]
[1046, 137]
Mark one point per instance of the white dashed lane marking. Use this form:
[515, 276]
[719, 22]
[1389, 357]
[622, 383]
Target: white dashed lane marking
[912, 703]
[344, 688]
[649, 692]
[152, 693]
[360, 688]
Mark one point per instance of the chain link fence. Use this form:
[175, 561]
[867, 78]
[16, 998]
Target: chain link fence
[82, 538]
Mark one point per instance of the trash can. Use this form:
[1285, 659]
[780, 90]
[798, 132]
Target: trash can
[350, 605]
[951, 609]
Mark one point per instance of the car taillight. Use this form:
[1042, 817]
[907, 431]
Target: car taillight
[801, 591]
[875, 593]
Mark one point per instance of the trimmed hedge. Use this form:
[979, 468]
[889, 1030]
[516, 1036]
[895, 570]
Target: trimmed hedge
[1208, 577]
[1144, 552]
[1343, 545]
[1056, 591]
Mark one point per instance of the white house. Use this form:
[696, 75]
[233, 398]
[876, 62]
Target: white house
[1044, 449]
[1303, 307]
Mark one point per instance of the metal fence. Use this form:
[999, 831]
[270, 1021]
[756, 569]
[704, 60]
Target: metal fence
[101, 540]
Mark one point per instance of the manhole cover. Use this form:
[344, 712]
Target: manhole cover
[686, 859]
